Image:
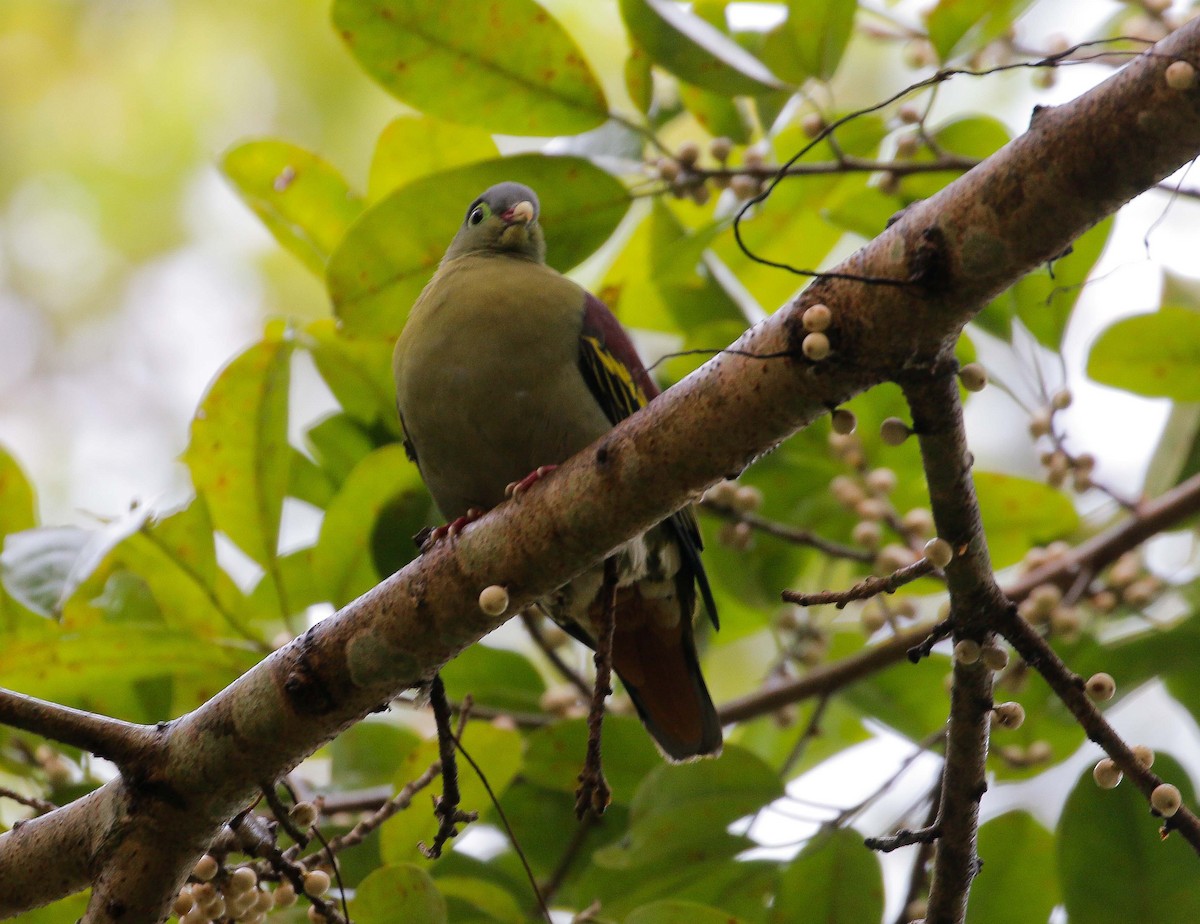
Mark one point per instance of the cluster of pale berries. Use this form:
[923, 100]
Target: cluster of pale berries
[1165, 799]
[736, 499]
[1126, 583]
[215, 893]
[687, 179]
[1058, 463]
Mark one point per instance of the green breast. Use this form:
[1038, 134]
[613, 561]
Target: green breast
[487, 378]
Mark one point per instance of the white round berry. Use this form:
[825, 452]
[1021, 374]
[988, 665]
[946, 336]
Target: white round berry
[1180, 75]
[894, 431]
[1101, 687]
[939, 552]
[1166, 799]
[303, 814]
[316, 882]
[815, 346]
[1106, 774]
[1009, 715]
[817, 318]
[973, 377]
[493, 600]
[241, 880]
[206, 868]
[994, 657]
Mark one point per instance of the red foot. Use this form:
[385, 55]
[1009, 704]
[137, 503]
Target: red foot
[451, 529]
[517, 488]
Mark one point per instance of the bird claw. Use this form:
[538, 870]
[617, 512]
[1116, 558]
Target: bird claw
[450, 530]
[517, 488]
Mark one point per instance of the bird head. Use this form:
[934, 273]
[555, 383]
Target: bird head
[504, 219]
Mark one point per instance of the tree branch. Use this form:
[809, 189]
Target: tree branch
[124, 743]
[135, 840]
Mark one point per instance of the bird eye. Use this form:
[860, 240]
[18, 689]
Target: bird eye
[476, 215]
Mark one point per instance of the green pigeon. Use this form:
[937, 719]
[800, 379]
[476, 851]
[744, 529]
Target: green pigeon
[507, 368]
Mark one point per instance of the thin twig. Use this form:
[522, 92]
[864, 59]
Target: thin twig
[512, 836]
[41, 806]
[565, 670]
[445, 806]
[865, 589]
[594, 793]
[787, 533]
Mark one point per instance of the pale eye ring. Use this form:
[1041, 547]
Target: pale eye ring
[476, 215]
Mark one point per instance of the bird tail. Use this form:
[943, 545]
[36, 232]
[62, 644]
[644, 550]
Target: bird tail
[654, 654]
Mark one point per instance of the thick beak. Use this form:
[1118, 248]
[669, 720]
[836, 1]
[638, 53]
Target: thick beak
[521, 213]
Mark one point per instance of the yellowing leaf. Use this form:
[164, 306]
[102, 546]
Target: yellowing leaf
[1157, 355]
[503, 66]
[304, 202]
[238, 453]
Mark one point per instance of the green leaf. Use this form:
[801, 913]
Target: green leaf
[657, 282]
[952, 21]
[1018, 871]
[833, 880]
[367, 754]
[358, 372]
[496, 678]
[1045, 298]
[40, 568]
[304, 202]
[174, 561]
[1177, 455]
[718, 115]
[414, 146]
[503, 66]
[1018, 514]
[389, 255]
[73, 667]
[1143, 876]
[238, 453]
[1156, 355]
[553, 755]
[18, 505]
[338, 443]
[682, 811]
[308, 482]
[487, 898]
[694, 50]
[496, 750]
[398, 893]
[639, 79]
[669, 911]
[68, 909]
[819, 31]
[343, 557]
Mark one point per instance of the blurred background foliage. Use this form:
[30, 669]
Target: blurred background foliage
[145, 145]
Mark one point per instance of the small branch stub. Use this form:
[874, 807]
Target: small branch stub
[493, 600]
